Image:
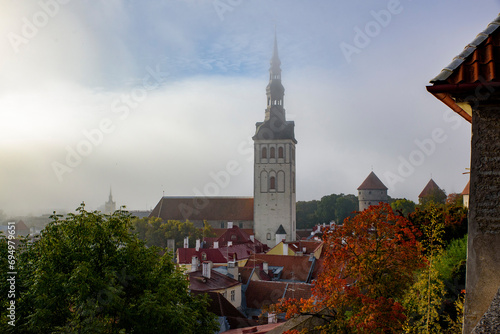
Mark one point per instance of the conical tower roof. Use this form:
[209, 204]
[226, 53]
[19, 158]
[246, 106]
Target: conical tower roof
[372, 182]
[430, 189]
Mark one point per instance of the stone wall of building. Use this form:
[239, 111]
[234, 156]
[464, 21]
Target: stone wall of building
[483, 258]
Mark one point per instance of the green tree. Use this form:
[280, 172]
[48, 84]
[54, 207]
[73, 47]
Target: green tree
[326, 209]
[403, 205]
[424, 299]
[89, 274]
[306, 214]
[345, 206]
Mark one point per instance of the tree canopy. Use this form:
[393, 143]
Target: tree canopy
[89, 274]
[369, 264]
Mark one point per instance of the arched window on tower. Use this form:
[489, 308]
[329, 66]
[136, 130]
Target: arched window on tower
[272, 153]
[280, 152]
[264, 153]
[272, 183]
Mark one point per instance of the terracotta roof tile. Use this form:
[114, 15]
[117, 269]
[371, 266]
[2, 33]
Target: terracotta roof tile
[217, 281]
[477, 61]
[260, 293]
[477, 65]
[204, 208]
[310, 245]
[372, 182]
[185, 255]
[294, 267]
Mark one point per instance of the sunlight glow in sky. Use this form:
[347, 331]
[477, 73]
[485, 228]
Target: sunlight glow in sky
[156, 96]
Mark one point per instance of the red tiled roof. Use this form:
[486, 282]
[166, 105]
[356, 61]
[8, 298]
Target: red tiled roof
[429, 189]
[247, 271]
[372, 182]
[466, 189]
[260, 293]
[185, 255]
[310, 245]
[260, 329]
[217, 281]
[204, 208]
[476, 66]
[294, 267]
[242, 251]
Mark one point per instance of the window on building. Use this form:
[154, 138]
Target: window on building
[273, 153]
[280, 153]
[233, 295]
[272, 182]
[203, 256]
[233, 237]
[222, 225]
[264, 153]
[268, 236]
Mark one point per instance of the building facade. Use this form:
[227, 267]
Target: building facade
[274, 164]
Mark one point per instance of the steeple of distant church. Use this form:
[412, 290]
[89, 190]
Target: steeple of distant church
[274, 163]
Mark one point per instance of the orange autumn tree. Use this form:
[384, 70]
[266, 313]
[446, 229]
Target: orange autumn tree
[369, 263]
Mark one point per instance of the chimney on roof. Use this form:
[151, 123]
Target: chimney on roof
[216, 244]
[265, 267]
[198, 244]
[229, 224]
[232, 269]
[206, 269]
[271, 318]
[285, 248]
[194, 263]
[186, 242]
[252, 238]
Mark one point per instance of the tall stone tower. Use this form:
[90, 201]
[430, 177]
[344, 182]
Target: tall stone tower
[274, 164]
[371, 192]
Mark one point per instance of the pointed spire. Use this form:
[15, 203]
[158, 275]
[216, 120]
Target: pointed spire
[110, 194]
[275, 60]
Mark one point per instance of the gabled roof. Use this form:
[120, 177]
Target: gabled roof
[476, 65]
[294, 267]
[204, 208]
[430, 189]
[217, 281]
[310, 245]
[260, 293]
[466, 189]
[185, 255]
[372, 182]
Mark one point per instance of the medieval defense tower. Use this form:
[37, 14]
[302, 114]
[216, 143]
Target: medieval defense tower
[371, 192]
[274, 164]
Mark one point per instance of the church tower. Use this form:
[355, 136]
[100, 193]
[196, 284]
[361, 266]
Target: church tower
[274, 164]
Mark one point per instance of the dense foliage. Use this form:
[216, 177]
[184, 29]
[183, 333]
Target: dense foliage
[89, 274]
[155, 232]
[369, 265]
[330, 208]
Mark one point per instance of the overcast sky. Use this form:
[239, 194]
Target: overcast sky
[152, 97]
